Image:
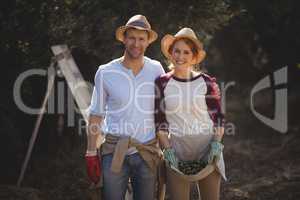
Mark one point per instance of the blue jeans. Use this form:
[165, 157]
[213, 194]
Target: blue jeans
[142, 178]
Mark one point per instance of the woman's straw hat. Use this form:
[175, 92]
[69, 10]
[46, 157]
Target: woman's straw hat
[188, 33]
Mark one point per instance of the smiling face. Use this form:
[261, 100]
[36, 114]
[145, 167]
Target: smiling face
[136, 43]
[183, 53]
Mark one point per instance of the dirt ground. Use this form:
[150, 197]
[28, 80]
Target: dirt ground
[261, 164]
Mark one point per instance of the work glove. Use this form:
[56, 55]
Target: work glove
[169, 156]
[93, 168]
[215, 151]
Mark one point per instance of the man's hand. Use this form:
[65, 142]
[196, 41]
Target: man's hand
[93, 168]
[216, 149]
[169, 155]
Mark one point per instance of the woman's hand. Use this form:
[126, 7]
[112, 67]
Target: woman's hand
[216, 149]
[169, 155]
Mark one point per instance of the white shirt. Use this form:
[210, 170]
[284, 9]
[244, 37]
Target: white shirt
[189, 109]
[126, 100]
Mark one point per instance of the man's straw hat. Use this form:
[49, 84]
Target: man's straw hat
[139, 22]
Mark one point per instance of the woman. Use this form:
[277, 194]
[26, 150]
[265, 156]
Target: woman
[189, 121]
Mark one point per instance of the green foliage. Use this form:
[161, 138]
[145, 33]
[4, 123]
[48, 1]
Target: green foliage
[31, 27]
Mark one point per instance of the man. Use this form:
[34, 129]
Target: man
[123, 104]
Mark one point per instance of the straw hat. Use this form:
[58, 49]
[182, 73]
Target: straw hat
[139, 22]
[188, 33]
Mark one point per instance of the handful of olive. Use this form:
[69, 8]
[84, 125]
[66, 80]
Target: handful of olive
[191, 167]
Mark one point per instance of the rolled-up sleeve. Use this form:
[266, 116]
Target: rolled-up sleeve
[99, 96]
[213, 101]
[161, 122]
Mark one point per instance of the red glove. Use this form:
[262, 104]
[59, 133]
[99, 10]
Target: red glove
[93, 168]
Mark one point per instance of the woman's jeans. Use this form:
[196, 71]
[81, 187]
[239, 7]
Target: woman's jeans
[142, 178]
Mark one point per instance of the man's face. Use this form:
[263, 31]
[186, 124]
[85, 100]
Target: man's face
[136, 43]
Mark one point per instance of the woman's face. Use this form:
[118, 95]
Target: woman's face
[181, 54]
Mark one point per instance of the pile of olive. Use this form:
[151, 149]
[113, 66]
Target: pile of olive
[191, 167]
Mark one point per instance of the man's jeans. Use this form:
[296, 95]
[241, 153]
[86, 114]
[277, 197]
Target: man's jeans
[134, 167]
